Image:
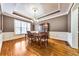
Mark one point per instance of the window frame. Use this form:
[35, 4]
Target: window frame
[21, 26]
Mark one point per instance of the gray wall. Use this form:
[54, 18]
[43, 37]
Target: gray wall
[62, 23]
[78, 20]
[0, 18]
[8, 24]
[58, 23]
[69, 21]
[0, 22]
[78, 23]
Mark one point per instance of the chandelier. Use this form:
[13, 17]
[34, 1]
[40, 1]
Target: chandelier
[35, 11]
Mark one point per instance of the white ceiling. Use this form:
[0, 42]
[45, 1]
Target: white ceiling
[43, 9]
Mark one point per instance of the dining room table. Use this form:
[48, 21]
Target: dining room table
[39, 37]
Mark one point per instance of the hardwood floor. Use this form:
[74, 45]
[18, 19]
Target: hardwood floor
[20, 47]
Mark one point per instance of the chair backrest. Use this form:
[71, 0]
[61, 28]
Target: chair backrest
[44, 35]
[29, 34]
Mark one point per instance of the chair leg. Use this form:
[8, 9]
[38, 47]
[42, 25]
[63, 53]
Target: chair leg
[29, 41]
[46, 44]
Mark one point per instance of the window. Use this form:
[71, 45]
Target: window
[24, 27]
[21, 27]
[17, 27]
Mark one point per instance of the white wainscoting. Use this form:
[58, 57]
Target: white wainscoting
[10, 36]
[65, 36]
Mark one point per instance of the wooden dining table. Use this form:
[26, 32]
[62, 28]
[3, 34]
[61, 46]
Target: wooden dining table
[39, 37]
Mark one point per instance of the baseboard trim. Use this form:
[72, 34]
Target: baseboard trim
[14, 39]
[62, 41]
[57, 39]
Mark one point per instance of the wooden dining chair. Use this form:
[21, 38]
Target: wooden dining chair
[43, 39]
[36, 38]
[30, 36]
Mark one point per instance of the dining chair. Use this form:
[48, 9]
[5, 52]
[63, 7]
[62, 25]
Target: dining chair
[30, 36]
[36, 38]
[43, 39]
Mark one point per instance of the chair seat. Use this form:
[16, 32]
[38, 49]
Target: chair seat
[43, 40]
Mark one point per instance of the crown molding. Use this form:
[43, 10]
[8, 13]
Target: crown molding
[50, 13]
[15, 16]
[19, 14]
[56, 11]
[70, 6]
[53, 17]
